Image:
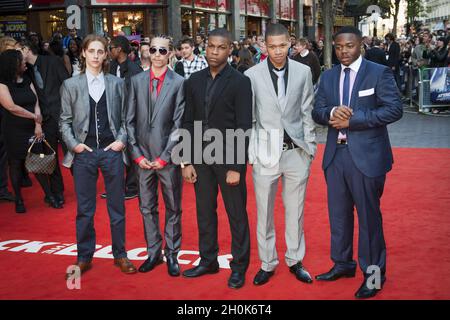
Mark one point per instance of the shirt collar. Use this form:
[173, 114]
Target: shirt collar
[304, 54]
[272, 67]
[221, 72]
[160, 78]
[354, 66]
[91, 77]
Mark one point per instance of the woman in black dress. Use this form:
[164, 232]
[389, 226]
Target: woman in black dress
[21, 119]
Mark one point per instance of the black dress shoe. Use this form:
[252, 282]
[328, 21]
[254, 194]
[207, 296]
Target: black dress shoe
[150, 264]
[20, 207]
[364, 292]
[7, 196]
[236, 280]
[200, 271]
[300, 273]
[172, 266]
[262, 277]
[130, 195]
[60, 198]
[103, 195]
[335, 274]
[51, 200]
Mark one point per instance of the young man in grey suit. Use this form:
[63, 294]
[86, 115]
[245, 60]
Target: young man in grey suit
[154, 114]
[92, 124]
[282, 145]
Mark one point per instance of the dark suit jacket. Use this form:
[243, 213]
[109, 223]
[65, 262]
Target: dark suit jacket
[127, 69]
[157, 136]
[376, 55]
[53, 73]
[394, 56]
[376, 102]
[230, 108]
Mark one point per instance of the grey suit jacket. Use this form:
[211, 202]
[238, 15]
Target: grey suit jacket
[157, 136]
[270, 118]
[75, 108]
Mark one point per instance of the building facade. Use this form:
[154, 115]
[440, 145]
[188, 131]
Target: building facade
[138, 18]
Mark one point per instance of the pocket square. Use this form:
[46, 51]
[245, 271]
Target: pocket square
[365, 93]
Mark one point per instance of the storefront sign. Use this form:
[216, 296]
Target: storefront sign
[13, 26]
[124, 2]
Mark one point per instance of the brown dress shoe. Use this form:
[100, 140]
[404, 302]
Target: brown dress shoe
[84, 266]
[125, 265]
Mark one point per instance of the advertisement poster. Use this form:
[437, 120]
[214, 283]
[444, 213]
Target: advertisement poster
[440, 86]
[13, 26]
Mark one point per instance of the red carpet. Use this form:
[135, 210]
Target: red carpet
[416, 212]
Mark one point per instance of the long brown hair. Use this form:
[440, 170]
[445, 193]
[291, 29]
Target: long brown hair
[86, 42]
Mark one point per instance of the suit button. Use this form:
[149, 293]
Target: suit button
[85, 131]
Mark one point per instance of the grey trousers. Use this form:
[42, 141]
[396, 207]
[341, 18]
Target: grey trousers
[293, 168]
[171, 186]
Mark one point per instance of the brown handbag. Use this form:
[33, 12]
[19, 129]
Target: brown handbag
[40, 163]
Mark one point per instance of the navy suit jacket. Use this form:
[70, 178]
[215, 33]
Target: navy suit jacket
[376, 102]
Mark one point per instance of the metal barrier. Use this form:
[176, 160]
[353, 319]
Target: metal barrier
[434, 89]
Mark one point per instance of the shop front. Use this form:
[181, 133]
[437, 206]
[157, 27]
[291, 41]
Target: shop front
[133, 18]
[201, 16]
[47, 17]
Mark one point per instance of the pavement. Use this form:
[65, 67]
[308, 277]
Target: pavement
[414, 130]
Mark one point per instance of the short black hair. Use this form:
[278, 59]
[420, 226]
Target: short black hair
[221, 32]
[9, 65]
[276, 29]
[188, 41]
[122, 41]
[349, 29]
[390, 36]
[30, 45]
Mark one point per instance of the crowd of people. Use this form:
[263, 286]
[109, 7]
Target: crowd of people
[118, 107]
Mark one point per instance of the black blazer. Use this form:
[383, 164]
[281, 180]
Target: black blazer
[376, 55]
[53, 73]
[127, 69]
[394, 55]
[230, 108]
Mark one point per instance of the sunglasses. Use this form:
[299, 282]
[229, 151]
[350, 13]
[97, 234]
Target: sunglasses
[162, 51]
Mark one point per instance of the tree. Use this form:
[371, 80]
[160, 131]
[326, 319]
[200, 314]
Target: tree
[396, 10]
[414, 9]
[328, 22]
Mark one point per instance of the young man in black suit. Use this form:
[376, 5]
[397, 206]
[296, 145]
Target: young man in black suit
[221, 98]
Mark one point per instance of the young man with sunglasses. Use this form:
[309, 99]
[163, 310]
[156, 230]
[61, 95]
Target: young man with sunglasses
[155, 110]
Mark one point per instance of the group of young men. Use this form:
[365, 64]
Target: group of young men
[270, 111]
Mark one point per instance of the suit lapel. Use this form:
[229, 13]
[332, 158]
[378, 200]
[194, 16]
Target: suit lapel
[267, 79]
[109, 90]
[163, 94]
[335, 84]
[359, 78]
[83, 90]
[291, 70]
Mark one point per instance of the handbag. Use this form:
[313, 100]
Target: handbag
[40, 163]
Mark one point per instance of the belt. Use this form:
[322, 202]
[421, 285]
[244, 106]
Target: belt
[289, 146]
[341, 141]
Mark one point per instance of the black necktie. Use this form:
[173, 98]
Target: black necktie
[346, 93]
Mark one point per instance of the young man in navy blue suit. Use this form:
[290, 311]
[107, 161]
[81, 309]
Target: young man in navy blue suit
[356, 99]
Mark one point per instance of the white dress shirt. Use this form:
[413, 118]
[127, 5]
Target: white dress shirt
[96, 85]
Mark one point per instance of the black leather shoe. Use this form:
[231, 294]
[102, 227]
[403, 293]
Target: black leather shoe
[130, 195]
[60, 198]
[172, 266]
[262, 277]
[200, 271]
[364, 292]
[6, 196]
[51, 200]
[20, 207]
[150, 264]
[300, 273]
[103, 195]
[236, 280]
[335, 274]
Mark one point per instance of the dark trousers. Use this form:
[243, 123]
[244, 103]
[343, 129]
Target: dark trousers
[85, 175]
[209, 179]
[51, 131]
[348, 187]
[131, 180]
[171, 187]
[3, 165]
